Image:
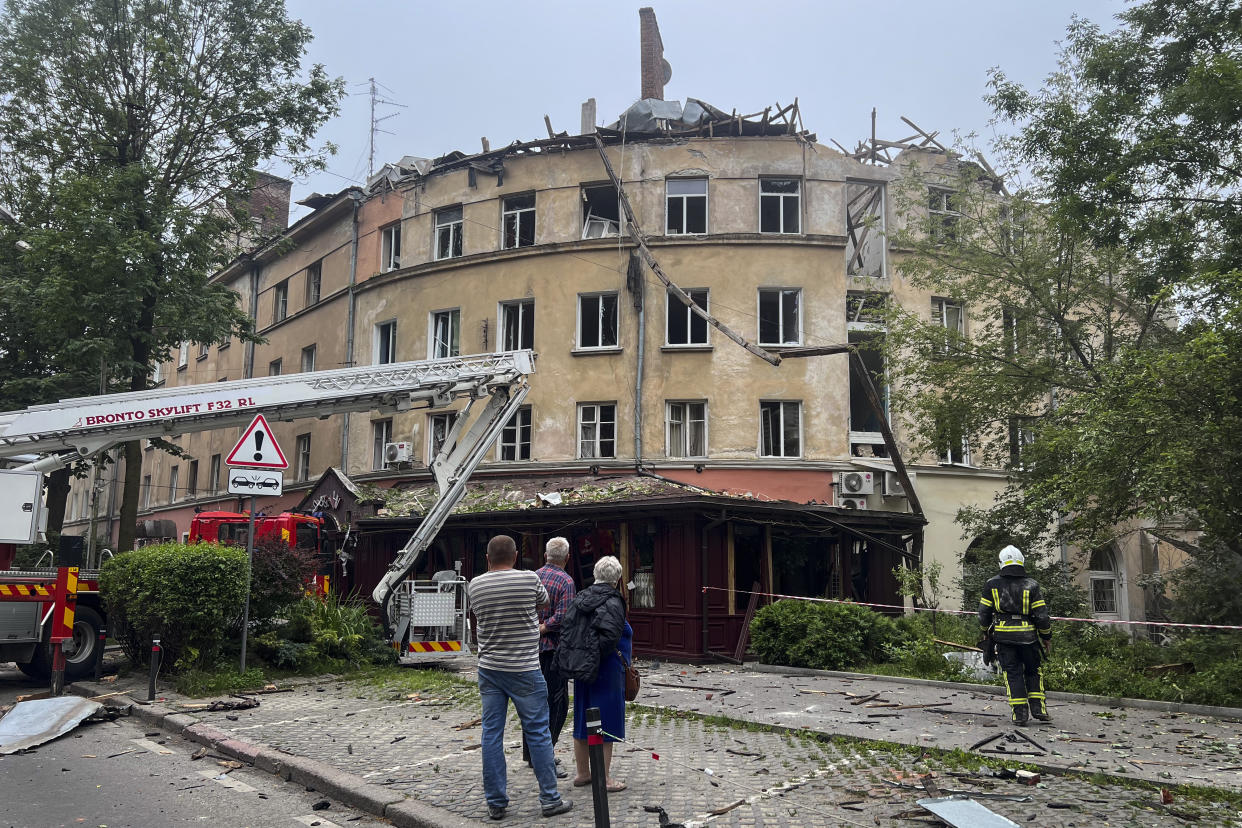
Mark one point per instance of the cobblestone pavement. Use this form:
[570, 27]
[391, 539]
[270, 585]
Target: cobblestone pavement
[428, 748]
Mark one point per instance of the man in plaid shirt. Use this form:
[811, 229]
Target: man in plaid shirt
[560, 587]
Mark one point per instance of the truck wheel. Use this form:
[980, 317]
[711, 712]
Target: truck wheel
[79, 653]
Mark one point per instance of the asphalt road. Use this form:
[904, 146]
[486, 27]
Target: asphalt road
[124, 775]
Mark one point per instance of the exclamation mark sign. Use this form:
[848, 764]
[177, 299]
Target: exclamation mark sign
[258, 445]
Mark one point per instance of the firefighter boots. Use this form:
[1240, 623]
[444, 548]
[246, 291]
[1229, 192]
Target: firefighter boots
[1021, 714]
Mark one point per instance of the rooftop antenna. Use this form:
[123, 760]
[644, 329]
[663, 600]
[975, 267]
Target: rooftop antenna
[375, 122]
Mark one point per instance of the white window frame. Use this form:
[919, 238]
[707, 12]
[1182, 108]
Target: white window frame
[782, 406]
[174, 482]
[784, 292]
[439, 347]
[157, 373]
[280, 302]
[518, 216]
[511, 437]
[381, 436]
[675, 203]
[309, 355]
[302, 451]
[673, 305]
[599, 328]
[940, 316]
[946, 457]
[1111, 577]
[203, 350]
[390, 247]
[783, 202]
[314, 283]
[678, 413]
[943, 215]
[524, 311]
[183, 354]
[382, 341]
[448, 223]
[591, 416]
[441, 420]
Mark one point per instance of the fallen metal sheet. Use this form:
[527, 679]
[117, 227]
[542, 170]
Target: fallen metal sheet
[32, 723]
[963, 812]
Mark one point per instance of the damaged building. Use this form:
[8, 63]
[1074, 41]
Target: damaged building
[688, 277]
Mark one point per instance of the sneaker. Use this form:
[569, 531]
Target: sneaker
[562, 807]
[496, 811]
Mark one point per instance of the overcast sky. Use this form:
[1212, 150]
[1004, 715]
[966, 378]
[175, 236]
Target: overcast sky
[494, 68]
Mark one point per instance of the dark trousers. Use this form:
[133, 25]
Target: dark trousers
[1024, 678]
[558, 698]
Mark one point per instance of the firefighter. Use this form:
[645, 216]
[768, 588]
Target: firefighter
[1015, 618]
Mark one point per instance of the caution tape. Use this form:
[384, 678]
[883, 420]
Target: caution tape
[969, 612]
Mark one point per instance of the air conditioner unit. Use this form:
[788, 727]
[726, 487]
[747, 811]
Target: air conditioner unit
[892, 484]
[852, 502]
[398, 452]
[852, 483]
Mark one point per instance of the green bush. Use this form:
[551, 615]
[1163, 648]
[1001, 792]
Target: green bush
[280, 578]
[188, 596]
[821, 636]
[326, 634]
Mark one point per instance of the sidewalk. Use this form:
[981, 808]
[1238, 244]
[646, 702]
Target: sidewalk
[415, 760]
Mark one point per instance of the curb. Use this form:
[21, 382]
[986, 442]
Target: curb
[348, 788]
[997, 690]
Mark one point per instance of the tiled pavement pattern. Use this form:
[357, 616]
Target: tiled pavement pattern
[414, 746]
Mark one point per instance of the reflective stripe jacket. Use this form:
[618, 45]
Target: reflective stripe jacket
[1013, 607]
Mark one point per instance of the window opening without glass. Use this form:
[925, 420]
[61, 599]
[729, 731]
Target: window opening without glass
[445, 334]
[601, 212]
[448, 233]
[864, 229]
[685, 327]
[517, 325]
[780, 313]
[597, 320]
[780, 429]
[381, 436]
[385, 342]
[518, 221]
[780, 205]
[390, 247]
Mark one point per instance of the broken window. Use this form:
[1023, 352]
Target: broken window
[302, 450]
[385, 349]
[280, 301]
[747, 562]
[381, 436]
[864, 229]
[517, 325]
[866, 425]
[308, 358]
[865, 309]
[445, 334]
[515, 436]
[597, 430]
[684, 326]
[780, 205]
[952, 443]
[943, 211]
[686, 429]
[780, 429]
[390, 247]
[448, 233]
[780, 316]
[601, 211]
[597, 320]
[438, 427]
[951, 316]
[518, 221]
[685, 206]
[314, 283]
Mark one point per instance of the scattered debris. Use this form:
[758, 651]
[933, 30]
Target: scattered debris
[964, 812]
[724, 809]
[468, 725]
[664, 820]
[31, 723]
[198, 754]
[230, 764]
[321, 805]
[1027, 777]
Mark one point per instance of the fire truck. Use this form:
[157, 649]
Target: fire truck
[417, 617]
[291, 529]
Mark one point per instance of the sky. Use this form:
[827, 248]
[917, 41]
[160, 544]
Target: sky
[466, 69]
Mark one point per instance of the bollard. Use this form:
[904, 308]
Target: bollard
[156, 653]
[599, 773]
[99, 648]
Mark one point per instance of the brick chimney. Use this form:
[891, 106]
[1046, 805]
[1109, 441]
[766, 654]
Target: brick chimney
[269, 203]
[653, 65]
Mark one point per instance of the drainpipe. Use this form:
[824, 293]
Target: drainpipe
[248, 367]
[634, 284]
[703, 569]
[349, 322]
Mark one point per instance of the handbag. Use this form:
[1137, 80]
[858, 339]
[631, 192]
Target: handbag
[632, 680]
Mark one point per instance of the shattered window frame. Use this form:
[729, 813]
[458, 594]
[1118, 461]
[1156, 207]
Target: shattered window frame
[942, 213]
[688, 205]
[778, 436]
[600, 225]
[680, 322]
[517, 325]
[381, 436]
[778, 204]
[866, 243]
[449, 222]
[866, 310]
[517, 221]
[438, 427]
[596, 306]
[390, 247]
[774, 330]
[515, 437]
[444, 333]
[685, 429]
[597, 431]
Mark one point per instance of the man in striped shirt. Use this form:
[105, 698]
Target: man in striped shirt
[504, 602]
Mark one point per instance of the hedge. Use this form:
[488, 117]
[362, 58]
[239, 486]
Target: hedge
[821, 636]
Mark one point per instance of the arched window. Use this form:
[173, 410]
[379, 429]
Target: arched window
[1103, 576]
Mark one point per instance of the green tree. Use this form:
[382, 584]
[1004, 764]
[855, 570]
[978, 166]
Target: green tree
[130, 132]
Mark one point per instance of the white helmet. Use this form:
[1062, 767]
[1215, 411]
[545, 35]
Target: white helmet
[1011, 555]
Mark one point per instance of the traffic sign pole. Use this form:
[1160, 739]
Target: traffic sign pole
[249, 580]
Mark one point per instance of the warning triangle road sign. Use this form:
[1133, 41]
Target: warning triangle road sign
[257, 448]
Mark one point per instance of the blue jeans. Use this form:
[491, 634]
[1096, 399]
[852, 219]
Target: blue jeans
[529, 694]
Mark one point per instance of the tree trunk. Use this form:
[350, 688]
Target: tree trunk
[129, 497]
